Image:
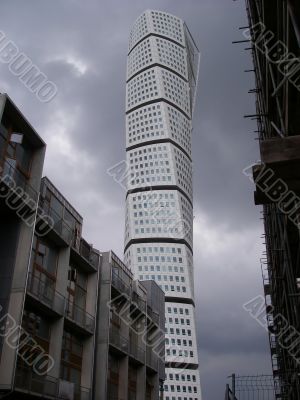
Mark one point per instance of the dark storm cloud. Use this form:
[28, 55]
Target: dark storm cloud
[81, 47]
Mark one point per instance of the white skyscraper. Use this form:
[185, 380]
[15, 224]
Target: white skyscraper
[162, 71]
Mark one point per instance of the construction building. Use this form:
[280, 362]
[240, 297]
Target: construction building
[274, 37]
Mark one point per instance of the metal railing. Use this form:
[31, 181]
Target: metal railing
[80, 316]
[117, 340]
[45, 386]
[86, 251]
[60, 226]
[119, 284]
[136, 351]
[46, 293]
[136, 298]
[12, 174]
[154, 316]
[82, 393]
[151, 358]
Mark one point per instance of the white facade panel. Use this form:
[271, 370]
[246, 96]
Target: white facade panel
[169, 264]
[182, 384]
[159, 121]
[159, 164]
[158, 23]
[158, 83]
[159, 213]
[157, 50]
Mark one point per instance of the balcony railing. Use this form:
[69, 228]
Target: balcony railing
[137, 352]
[139, 301]
[80, 317]
[151, 358]
[154, 316]
[12, 177]
[60, 226]
[119, 284]
[117, 340]
[80, 393]
[44, 291]
[27, 381]
[86, 251]
[46, 386]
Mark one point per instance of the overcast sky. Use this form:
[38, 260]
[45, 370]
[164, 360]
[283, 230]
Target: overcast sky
[82, 46]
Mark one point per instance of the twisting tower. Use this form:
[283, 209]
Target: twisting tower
[162, 71]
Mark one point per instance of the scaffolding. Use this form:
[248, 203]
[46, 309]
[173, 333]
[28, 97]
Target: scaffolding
[274, 42]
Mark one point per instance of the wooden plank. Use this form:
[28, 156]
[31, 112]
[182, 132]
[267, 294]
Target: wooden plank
[280, 150]
[289, 171]
[260, 198]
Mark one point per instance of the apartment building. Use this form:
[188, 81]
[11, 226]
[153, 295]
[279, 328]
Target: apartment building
[52, 298]
[129, 361]
[22, 154]
[55, 287]
[274, 36]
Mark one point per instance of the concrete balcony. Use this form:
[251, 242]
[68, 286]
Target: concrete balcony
[12, 162]
[43, 292]
[80, 319]
[280, 161]
[152, 316]
[118, 341]
[85, 255]
[137, 353]
[48, 387]
[139, 302]
[151, 359]
[29, 383]
[119, 284]
[60, 232]
[16, 190]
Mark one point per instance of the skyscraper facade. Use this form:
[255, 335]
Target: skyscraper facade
[162, 71]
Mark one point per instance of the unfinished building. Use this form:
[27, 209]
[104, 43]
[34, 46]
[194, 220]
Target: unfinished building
[274, 36]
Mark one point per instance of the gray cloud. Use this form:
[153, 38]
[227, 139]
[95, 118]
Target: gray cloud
[82, 47]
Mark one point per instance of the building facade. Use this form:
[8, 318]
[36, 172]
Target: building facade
[162, 71]
[274, 35]
[61, 336]
[130, 335]
[49, 277]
